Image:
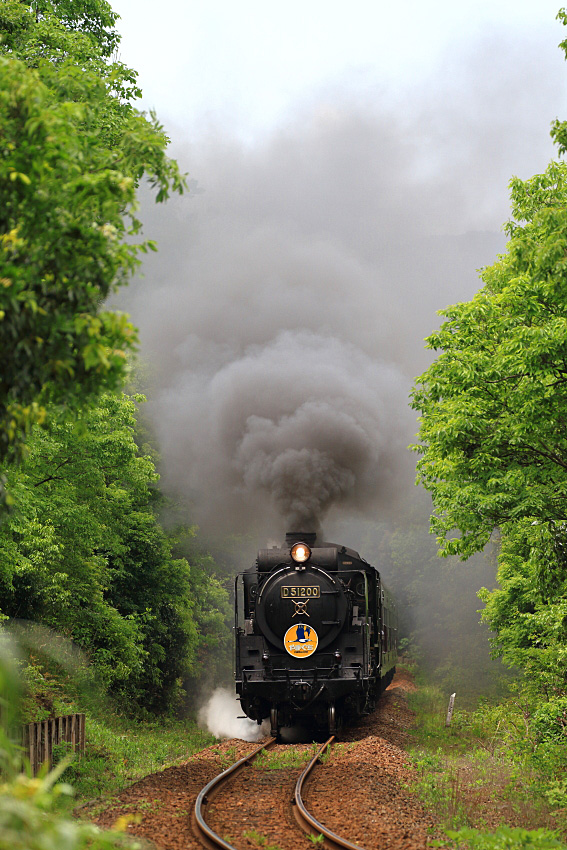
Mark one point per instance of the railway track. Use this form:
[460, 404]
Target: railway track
[306, 821]
[362, 793]
[200, 827]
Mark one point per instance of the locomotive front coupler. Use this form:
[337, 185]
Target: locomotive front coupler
[312, 698]
[301, 691]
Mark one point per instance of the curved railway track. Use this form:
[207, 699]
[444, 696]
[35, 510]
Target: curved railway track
[305, 819]
[200, 827]
[307, 822]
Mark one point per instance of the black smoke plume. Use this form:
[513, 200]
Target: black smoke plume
[285, 313]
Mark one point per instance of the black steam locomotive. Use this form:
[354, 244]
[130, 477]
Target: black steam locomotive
[316, 634]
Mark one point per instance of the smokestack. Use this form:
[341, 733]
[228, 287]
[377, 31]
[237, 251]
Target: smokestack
[308, 537]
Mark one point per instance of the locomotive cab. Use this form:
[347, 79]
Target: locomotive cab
[315, 634]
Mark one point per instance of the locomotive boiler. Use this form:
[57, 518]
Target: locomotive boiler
[316, 635]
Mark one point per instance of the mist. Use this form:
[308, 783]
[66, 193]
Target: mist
[284, 316]
[220, 716]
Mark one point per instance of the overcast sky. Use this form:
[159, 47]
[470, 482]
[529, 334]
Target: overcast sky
[252, 61]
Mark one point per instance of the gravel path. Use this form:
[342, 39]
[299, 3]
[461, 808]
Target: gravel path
[360, 792]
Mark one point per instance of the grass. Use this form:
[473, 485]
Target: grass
[438, 788]
[258, 840]
[118, 752]
[503, 838]
[226, 757]
[336, 750]
[488, 783]
[292, 758]
[284, 758]
[430, 707]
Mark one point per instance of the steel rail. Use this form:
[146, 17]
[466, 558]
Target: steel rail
[201, 829]
[306, 820]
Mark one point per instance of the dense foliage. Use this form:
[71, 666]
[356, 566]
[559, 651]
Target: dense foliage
[87, 572]
[72, 152]
[494, 407]
[494, 402]
[528, 612]
[83, 553]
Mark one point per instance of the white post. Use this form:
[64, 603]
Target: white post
[450, 709]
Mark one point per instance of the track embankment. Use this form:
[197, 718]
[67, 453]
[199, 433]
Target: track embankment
[360, 792]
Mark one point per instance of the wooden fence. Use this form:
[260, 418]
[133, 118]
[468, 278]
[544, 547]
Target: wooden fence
[40, 738]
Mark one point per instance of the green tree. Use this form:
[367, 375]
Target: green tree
[82, 552]
[494, 402]
[528, 611]
[493, 435]
[212, 589]
[73, 150]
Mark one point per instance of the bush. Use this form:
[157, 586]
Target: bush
[550, 720]
[29, 817]
[504, 838]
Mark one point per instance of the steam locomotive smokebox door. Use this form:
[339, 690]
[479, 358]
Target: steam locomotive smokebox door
[311, 597]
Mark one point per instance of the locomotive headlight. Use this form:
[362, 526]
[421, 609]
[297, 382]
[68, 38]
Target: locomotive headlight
[300, 552]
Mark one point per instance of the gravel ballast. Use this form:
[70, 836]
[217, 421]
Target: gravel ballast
[360, 792]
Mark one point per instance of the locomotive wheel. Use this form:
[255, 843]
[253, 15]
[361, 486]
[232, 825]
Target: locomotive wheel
[274, 722]
[332, 719]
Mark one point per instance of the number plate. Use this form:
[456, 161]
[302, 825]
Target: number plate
[303, 592]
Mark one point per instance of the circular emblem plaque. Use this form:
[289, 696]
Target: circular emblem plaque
[301, 640]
